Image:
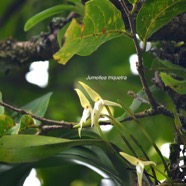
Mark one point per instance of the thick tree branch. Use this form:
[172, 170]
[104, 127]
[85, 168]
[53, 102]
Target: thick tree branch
[16, 53]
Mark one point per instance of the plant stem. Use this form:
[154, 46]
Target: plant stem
[139, 51]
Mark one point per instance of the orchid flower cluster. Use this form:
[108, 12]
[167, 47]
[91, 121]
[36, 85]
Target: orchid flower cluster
[93, 113]
[91, 116]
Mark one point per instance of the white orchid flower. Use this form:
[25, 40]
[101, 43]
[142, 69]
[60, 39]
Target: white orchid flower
[140, 165]
[87, 108]
[99, 103]
[98, 109]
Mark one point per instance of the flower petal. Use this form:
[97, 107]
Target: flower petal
[110, 103]
[139, 170]
[83, 100]
[131, 159]
[98, 107]
[145, 163]
[93, 94]
[85, 115]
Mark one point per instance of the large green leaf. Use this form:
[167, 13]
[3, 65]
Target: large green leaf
[95, 159]
[28, 148]
[177, 85]
[47, 13]
[166, 66]
[155, 14]
[102, 22]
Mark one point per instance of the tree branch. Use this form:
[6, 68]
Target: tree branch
[16, 53]
[62, 124]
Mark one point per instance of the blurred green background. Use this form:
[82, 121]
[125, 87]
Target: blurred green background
[111, 59]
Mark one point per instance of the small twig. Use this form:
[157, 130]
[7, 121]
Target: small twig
[125, 8]
[147, 113]
[151, 112]
[44, 121]
[131, 93]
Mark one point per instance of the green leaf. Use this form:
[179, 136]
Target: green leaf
[95, 157]
[178, 86]
[38, 106]
[102, 22]
[26, 121]
[14, 130]
[61, 33]
[28, 148]
[133, 1]
[166, 66]
[157, 13]
[2, 110]
[6, 123]
[79, 6]
[47, 13]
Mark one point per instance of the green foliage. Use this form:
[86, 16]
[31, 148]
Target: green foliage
[26, 121]
[155, 14]
[84, 38]
[133, 1]
[99, 22]
[6, 123]
[166, 66]
[177, 85]
[35, 147]
[38, 106]
[59, 9]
